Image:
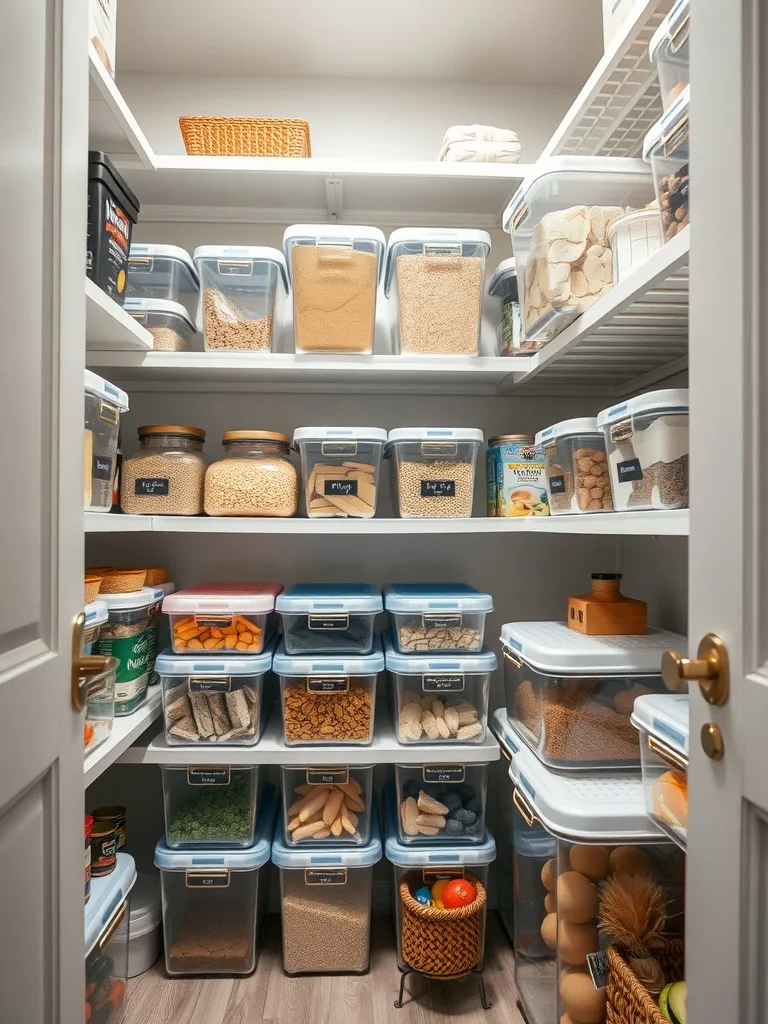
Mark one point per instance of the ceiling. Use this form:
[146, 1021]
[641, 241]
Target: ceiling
[532, 42]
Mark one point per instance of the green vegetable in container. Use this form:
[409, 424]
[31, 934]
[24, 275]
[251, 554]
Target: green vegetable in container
[216, 814]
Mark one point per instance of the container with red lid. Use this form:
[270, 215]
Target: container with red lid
[222, 618]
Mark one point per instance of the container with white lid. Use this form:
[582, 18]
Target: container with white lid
[325, 904]
[667, 148]
[171, 324]
[503, 285]
[570, 695]
[434, 470]
[435, 276]
[327, 806]
[647, 443]
[558, 220]
[126, 637]
[340, 470]
[100, 693]
[633, 238]
[669, 51]
[243, 288]
[96, 614]
[335, 271]
[222, 619]
[146, 924]
[104, 404]
[576, 467]
[164, 272]
[106, 941]
[436, 618]
[329, 618]
[663, 721]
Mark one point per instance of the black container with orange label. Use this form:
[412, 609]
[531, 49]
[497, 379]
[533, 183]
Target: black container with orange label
[112, 211]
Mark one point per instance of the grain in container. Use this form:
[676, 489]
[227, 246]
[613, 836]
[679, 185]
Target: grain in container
[112, 211]
[434, 470]
[663, 721]
[241, 612]
[243, 290]
[558, 220]
[503, 285]
[104, 404]
[209, 805]
[325, 904]
[330, 618]
[570, 696]
[576, 467]
[601, 832]
[146, 924]
[647, 443]
[328, 698]
[669, 51]
[171, 326]
[435, 277]
[441, 618]
[126, 637]
[254, 477]
[165, 477]
[335, 271]
[515, 476]
[666, 148]
[215, 902]
[441, 803]
[106, 943]
[165, 273]
[327, 805]
[340, 468]
[633, 238]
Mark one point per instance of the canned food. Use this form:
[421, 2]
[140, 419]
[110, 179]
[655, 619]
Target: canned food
[515, 468]
[88, 829]
[114, 816]
[104, 841]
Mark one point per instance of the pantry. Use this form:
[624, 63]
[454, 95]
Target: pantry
[401, 512]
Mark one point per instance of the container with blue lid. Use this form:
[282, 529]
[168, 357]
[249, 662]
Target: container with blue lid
[437, 618]
[663, 721]
[329, 618]
[327, 806]
[106, 941]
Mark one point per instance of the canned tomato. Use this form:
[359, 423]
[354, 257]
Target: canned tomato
[519, 481]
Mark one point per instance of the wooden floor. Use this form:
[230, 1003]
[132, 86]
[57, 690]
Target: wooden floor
[271, 996]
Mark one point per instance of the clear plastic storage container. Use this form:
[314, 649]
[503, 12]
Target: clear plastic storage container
[104, 404]
[633, 238]
[165, 273]
[243, 288]
[440, 699]
[666, 148]
[328, 698]
[165, 477]
[325, 905]
[215, 903]
[340, 469]
[669, 51]
[570, 696]
[558, 220]
[327, 805]
[503, 285]
[442, 803]
[96, 614]
[435, 276]
[172, 327]
[241, 612]
[254, 477]
[576, 466]
[646, 440]
[663, 721]
[335, 271]
[329, 618]
[127, 637]
[436, 618]
[434, 470]
[100, 707]
[209, 805]
[106, 943]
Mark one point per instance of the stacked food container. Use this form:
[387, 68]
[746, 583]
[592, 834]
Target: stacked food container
[104, 405]
[663, 721]
[163, 295]
[106, 942]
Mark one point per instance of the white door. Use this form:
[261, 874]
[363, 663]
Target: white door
[43, 159]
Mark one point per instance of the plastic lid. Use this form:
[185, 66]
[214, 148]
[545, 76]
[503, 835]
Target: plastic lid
[146, 905]
[677, 111]
[669, 28]
[665, 716]
[258, 253]
[406, 855]
[96, 385]
[141, 307]
[506, 269]
[339, 434]
[674, 400]
[223, 598]
[329, 664]
[303, 598]
[553, 648]
[338, 234]
[432, 236]
[418, 665]
[95, 613]
[107, 894]
[435, 434]
[137, 599]
[162, 251]
[435, 597]
[170, 664]
[326, 856]
[568, 428]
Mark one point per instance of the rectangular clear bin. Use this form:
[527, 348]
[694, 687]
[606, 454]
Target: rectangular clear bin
[329, 618]
[106, 943]
[215, 903]
[327, 806]
[436, 618]
[435, 276]
[340, 470]
[558, 220]
[570, 696]
[171, 326]
[666, 148]
[434, 470]
[664, 725]
[328, 699]
[503, 285]
[576, 467]
[335, 271]
[164, 272]
[325, 905]
[242, 288]
[96, 614]
[647, 443]
[669, 51]
[209, 805]
[441, 803]
[128, 636]
[220, 619]
[100, 707]
[104, 404]
[213, 700]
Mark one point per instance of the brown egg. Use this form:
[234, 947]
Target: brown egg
[629, 860]
[549, 930]
[550, 903]
[591, 861]
[576, 940]
[580, 998]
[549, 875]
[577, 898]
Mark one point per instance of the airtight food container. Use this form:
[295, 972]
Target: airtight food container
[669, 51]
[663, 721]
[340, 470]
[165, 273]
[558, 221]
[329, 618]
[335, 271]
[434, 470]
[127, 637]
[576, 467]
[96, 615]
[441, 803]
[647, 443]
[667, 148]
[633, 238]
[327, 806]
[106, 942]
[436, 618]
[100, 706]
[435, 279]
[171, 325]
[503, 285]
[243, 288]
[570, 696]
[209, 806]
[222, 619]
[104, 404]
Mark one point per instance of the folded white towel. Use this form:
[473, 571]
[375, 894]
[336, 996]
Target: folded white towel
[481, 132]
[481, 152]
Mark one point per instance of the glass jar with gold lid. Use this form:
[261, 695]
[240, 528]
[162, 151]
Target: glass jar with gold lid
[255, 476]
[165, 477]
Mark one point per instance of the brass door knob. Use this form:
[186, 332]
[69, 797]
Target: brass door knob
[84, 666]
[710, 668]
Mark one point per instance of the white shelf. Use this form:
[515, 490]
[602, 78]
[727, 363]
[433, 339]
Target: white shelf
[108, 328]
[672, 523]
[112, 127]
[125, 730]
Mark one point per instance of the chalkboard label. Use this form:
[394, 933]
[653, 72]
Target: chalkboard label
[207, 879]
[432, 875]
[101, 467]
[438, 488]
[338, 684]
[557, 484]
[328, 621]
[346, 488]
[442, 684]
[152, 485]
[328, 876]
[442, 621]
[327, 776]
[444, 773]
[629, 470]
[207, 684]
[208, 776]
[598, 968]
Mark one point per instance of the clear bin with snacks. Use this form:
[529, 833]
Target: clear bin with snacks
[209, 805]
[171, 325]
[669, 51]
[165, 273]
[434, 470]
[576, 467]
[222, 618]
[329, 618]
[663, 721]
[436, 618]
[104, 405]
[441, 803]
[340, 470]
[667, 149]
[327, 805]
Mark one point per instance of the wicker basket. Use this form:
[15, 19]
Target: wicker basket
[245, 136]
[441, 943]
[628, 1001]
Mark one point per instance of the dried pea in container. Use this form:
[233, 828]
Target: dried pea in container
[104, 405]
[165, 477]
[126, 637]
[172, 327]
[255, 476]
[667, 149]
[210, 805]
[340, 468]
[515, 472]
[222, 618]
[434, 470]
[163, 274]
[576, 466]
[327, 805]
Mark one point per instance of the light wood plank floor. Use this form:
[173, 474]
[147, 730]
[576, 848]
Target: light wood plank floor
[269, 995]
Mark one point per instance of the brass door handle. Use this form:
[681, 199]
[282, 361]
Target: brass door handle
[710, 668]
[84, 666]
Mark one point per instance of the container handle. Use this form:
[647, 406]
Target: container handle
[504, 754]
[674, 41]
[141, 264]
[442, 248]
[622, 431]
[113, 925]
[511, 658]
[671, 757]
[520, 215]
[109, 413]
[524, 807]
